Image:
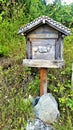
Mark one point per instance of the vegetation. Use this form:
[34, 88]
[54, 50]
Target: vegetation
[16, 81]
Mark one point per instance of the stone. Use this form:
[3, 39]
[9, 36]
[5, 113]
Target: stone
[34, 101]
[37, 124]
[47, 109]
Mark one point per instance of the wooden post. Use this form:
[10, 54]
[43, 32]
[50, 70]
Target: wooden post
[43, 81]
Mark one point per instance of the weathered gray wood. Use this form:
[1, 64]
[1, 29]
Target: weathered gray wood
[43, 49]
[43, 36]
[43, 63]
[59, 48]
[29, 50]
[44, 43]
[52, 47]
[43, 29]
[62, 46]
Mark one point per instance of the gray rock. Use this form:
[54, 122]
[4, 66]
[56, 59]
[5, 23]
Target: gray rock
[47, 109]
[34, 101]
[37, 124]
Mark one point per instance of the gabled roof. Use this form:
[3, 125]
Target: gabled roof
[44, 20]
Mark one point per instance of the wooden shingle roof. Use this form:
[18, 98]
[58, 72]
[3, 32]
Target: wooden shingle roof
[44, 20]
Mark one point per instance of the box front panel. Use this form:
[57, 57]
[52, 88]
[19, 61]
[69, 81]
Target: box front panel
[43, 49]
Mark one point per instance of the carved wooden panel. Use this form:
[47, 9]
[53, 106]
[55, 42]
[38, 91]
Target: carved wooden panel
[43, 49]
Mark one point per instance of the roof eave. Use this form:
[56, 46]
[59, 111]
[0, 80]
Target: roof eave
[29, 28]
[33, 25]
[58, 29]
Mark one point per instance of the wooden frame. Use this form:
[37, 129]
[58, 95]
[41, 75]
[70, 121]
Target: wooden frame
[43, 63]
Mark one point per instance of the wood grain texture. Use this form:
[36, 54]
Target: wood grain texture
[43, 81]
[43, 29]
[29, 50]
[62, 47]
[48, 47]
[44, 43]
[43, 36]
[43, 63]
[57, 50]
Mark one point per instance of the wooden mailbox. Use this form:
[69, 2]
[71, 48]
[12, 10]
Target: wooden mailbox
[44, 46]
[44, 41]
